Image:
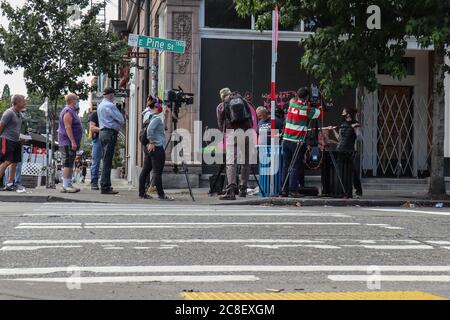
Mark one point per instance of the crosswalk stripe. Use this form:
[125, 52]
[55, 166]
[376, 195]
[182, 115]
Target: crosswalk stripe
[100, 241]
[390, 278]
[32, 248]
[130, 279]
[139, 213]
[439, 213]
[173, 225]
[224, 268]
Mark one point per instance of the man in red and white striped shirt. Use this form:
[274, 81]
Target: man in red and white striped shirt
[299, 114]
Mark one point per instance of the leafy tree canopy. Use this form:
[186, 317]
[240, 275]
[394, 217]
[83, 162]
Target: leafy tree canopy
[344, 52]
[54, 53]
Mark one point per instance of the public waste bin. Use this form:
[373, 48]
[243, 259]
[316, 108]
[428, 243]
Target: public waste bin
[265, 170]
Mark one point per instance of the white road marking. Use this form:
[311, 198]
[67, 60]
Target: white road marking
[193, 214]
[393, 247]
[125, 279]
[317, 246]
[98, 241]
[172, 225]
[225, 268]
[439, 242]
[31, 248]
[390, 278]
[439, 213]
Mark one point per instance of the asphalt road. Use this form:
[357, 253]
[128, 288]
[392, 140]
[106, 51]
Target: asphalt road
[98, 251]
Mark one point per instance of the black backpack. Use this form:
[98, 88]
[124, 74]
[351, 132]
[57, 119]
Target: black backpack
[143, 133]
[236, 110]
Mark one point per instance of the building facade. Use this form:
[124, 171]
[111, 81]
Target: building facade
[224, 50]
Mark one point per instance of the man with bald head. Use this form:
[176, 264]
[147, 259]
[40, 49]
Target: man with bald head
[11, 148]
[69, 138]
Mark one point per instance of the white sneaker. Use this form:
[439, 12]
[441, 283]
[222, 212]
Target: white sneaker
[69, 189]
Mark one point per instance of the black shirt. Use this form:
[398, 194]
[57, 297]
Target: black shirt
[94, 118]
[347, 137]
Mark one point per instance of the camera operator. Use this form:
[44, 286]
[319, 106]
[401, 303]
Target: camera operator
[300, 113]
[349, 132]
[155, 155]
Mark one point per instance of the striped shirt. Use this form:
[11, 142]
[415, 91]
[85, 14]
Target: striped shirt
[297, 119]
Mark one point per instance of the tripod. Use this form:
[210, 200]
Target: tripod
[295, 156]
[222, 167]
[175, 113]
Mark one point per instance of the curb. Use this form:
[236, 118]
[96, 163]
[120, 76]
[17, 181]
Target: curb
[42, 199]
[339, 202]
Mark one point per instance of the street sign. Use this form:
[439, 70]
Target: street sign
[139, 55]
[121, 93]
[175, 46]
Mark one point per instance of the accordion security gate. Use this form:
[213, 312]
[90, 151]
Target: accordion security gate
[397, 132]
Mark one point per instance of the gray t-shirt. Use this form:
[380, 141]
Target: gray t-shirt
[13, 124]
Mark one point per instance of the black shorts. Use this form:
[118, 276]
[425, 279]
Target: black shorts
[11, 151]
[67, 156]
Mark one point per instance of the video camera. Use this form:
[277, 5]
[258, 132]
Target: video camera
[315, 100]
[178, 97]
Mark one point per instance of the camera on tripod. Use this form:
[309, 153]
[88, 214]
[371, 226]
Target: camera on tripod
[179, 97]
[315, 100]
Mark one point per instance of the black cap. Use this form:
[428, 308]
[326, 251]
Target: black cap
[108, 90]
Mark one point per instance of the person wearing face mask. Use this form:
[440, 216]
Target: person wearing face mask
[349, 133]
[155, 155]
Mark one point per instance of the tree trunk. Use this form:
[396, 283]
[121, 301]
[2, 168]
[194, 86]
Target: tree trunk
[437, 181]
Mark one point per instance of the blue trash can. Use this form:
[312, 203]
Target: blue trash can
[265, 170]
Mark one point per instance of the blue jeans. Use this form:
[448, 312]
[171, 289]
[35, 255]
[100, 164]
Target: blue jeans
[96, 158]
[108, 139]
[18, 176]
[288, 154]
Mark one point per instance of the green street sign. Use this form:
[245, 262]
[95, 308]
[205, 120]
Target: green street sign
[176, 46]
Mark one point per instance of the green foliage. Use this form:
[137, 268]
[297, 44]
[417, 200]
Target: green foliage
[5, 98]
[35, 118]
[344, 55]
[118, 159]
[6, 93]
[54, 54]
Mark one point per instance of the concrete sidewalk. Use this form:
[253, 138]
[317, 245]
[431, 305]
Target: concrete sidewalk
[129, 195]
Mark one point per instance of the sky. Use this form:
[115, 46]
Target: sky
[15, 81]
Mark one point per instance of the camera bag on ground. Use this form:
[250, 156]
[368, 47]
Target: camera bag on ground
[236, 110]
[219, 184]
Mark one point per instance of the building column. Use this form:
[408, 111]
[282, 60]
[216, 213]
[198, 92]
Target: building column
[182, 23]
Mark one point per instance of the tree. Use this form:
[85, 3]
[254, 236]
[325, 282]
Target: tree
[6, 93]
[55, 53]
[345, 50]
[34, 117]
[5, 98]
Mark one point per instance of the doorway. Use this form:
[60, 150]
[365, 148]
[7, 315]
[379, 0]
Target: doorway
[395, 131]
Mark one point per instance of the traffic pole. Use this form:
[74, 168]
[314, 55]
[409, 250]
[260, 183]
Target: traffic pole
[273, 153]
